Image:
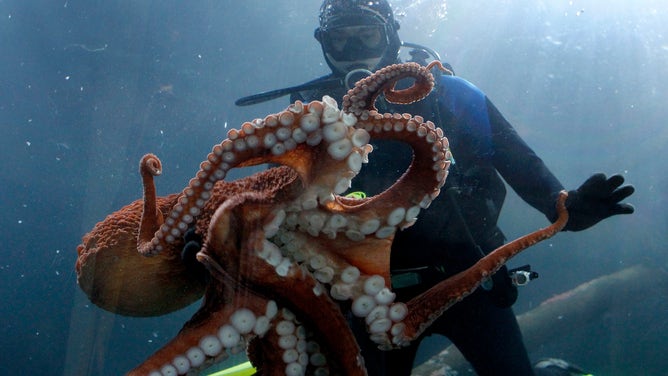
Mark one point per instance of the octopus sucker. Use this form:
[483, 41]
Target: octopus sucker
[232, 134]
[340, 149]
[350, 275]
[269, 140]
[297, 107]
[385, 232]
[331, 114]
[286, 118]
[278, 149]
[374, 284]
[363, 305]
[248, 128]
[228, 335]
[299, 135]
[243, 320]
[315, 107]
[334, 131]
[396, 216]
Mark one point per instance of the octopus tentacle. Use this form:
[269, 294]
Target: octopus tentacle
[430, 163]
[308, 132]
[278, 344]
[427, 307]
[399, 205]
[151, 219]
[289, 348]
[363, 96]
[431, 150]
[278, 277]
[368, 222]
[215, 332]
[319, 310]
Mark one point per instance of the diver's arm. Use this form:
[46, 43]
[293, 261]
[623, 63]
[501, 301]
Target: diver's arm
[520, 167]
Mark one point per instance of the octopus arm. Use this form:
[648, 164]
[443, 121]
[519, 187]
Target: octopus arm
[290, 284]
[428, 306]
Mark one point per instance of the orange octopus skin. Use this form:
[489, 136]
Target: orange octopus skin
[117, 278]
[114, 275]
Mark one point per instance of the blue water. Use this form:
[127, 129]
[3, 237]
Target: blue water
[87, 87]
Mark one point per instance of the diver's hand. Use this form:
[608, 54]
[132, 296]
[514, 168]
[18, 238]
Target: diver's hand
[597, 199]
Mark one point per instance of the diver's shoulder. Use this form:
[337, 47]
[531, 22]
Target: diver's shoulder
[447, 81]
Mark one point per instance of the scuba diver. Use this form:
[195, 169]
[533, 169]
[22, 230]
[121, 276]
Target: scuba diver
[360, 36]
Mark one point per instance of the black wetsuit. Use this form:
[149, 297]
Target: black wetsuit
[458, 226]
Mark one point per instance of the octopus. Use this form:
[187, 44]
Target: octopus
[282, 256]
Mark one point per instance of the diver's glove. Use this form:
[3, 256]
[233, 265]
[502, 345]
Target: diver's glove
[597, 199]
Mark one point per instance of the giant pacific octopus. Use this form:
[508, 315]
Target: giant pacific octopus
[284, 254]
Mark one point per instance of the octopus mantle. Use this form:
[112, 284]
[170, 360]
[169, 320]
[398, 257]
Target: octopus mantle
[280, 255]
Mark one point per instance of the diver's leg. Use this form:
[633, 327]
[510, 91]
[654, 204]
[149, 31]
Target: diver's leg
[488, 336]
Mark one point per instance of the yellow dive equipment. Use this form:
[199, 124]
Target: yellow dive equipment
[243, 369]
